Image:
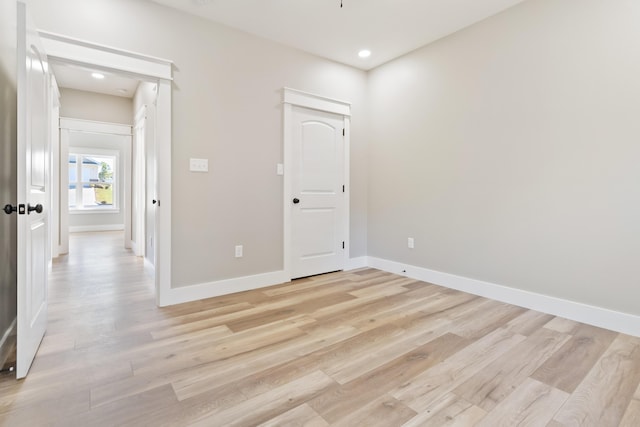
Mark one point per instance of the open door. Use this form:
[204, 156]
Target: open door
[138, 187]
[33, 192]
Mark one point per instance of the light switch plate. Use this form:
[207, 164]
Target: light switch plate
[280, 169]
[199, 165]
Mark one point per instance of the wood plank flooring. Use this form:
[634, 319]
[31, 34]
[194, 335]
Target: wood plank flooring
[362, 348]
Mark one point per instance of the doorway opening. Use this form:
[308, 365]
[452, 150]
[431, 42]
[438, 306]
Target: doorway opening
[153, 77]
[94, 175]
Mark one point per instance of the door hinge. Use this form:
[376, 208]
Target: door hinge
[342, 245]
[343, 188]
[342, 131]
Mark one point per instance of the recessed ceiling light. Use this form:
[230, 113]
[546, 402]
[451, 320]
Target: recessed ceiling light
[122, 91]
[364, 53]
[97, 76]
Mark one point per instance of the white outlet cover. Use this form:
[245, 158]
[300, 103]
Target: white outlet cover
[199, 165]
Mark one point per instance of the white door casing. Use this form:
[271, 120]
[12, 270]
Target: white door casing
[33, 188]
[316, 149]
[67, 50]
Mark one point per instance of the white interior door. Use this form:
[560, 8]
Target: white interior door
[138, 186]
[317, 218]
[33, 192]
[151, 189]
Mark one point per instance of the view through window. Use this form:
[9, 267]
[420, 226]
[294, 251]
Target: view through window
[92, 181]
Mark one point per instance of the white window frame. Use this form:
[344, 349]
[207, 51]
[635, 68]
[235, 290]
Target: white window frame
[89, 152]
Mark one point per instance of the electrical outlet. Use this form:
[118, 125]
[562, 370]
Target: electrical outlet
[410, 243]
[199, 165]
[239, 251]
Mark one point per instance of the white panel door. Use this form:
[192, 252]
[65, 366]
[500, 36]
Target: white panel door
[33, 189]
[151, 184]
[318, 226]
[138, 186]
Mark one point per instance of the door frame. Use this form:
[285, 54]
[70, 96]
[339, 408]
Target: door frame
[296, 98]
[67, 50]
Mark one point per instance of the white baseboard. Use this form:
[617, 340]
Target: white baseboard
[238, 284]
[224, 287]
[592, 315]
[104, 227]
[354, 263]
[584, 313]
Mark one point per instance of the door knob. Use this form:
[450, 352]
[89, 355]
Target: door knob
[8, 209]
[37, 208]
[296, 201]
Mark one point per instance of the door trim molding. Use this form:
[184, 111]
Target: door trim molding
[316, 102]
[67, 50]
[296, 98]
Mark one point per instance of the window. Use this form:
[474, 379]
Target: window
[92, 181]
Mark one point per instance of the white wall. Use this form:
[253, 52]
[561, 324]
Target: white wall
[226, 105]
[509, 151]
[79, 104]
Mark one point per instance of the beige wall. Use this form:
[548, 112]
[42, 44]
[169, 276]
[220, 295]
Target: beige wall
[79, 104]
[509, 151]
[226, 108]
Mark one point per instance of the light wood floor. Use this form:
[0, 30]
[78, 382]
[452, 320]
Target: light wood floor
[364, 348]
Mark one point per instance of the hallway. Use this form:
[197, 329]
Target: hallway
[98, 294]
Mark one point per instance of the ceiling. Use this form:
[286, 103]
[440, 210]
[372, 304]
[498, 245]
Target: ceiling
[388, 28]
[75, 77]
